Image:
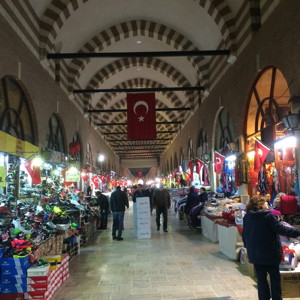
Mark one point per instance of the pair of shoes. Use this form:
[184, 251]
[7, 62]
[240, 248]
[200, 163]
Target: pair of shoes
[158, 228]
[120, 239]
[165, 230]
[114, 237]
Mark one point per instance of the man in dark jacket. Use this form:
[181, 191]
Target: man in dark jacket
[191, 201]
[162, 202]
[103, 204]
[203, 197]
[118, 204]
[261, 232]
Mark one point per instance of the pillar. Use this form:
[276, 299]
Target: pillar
[295, 108]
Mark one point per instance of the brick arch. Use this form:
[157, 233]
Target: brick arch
[140, 82]
[153, 63]
[138, 28]
[125, 63]
[59, 11]
[221, 13]
[136, 82]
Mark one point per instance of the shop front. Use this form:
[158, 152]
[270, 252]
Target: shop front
[18, 175]
[268, 139]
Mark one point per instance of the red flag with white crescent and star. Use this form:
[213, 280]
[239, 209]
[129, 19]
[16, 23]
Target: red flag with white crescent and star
[261, 152]
[141, 119]
[199, 165]
[219, 162]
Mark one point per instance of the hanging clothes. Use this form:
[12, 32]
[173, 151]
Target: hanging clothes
[262, 182]
[243, 167]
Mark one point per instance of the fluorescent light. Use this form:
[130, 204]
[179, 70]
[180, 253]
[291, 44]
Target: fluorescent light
[231, 157]
[289, 141]
[73, 170]
[251, 155]
[37, 161]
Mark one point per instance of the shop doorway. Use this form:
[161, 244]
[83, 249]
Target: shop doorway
[267, 104]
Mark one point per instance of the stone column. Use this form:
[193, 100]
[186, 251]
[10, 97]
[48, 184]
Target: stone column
[295, 109]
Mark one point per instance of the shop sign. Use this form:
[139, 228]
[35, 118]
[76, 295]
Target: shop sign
[14, 146]
[56, 156]
[72, 176]
[2, 176]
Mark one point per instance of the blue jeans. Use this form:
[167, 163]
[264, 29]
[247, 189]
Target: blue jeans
[262, 284]
[118, 223]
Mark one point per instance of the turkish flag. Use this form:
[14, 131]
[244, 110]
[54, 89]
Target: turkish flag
[191, 167]
[95, 180]
[261, 152]
[199, 165]
[219, 162]
[34, 172]
[141, 119]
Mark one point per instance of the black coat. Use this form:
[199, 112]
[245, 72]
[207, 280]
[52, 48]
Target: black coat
[118, 201]
[102, 201]
[191, 201]
[203, 197]
[261, 232]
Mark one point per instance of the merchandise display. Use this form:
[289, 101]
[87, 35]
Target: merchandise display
[38, 241]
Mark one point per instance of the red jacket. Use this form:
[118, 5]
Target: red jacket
[288, 205]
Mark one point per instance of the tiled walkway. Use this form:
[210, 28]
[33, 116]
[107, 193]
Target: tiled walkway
[180, 264]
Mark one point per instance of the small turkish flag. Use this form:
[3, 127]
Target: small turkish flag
[95, 181]
[261, 152]
[191, 167]
[34, 172]
[141, 119]
[219, 162]
[199, 165]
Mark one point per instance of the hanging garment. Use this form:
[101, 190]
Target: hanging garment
[243, 167]
[262, 182]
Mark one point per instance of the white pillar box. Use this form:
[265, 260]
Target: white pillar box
[142, 218]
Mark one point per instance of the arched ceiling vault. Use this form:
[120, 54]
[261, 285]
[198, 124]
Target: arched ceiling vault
[131, 26]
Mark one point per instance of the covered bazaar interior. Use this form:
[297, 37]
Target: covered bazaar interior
[96, 95]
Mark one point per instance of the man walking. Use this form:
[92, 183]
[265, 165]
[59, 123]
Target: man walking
[118, 204]
[103, 204]
[161, 201]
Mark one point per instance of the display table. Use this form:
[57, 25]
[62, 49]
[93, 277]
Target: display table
[230, 240]
[209, 227]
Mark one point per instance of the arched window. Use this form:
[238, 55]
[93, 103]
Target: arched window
[191, 153]
[55, 136]
[203, 147]
[16, 117]
[76, 141]
[224, 132]
[268, 103]
[176, 162]
[89, 155]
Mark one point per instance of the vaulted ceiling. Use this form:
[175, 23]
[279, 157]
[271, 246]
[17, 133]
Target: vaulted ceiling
[132, 27]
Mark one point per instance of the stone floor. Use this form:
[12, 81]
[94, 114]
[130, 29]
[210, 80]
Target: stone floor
[180, 264]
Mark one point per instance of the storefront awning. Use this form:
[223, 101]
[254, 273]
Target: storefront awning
[11, 145]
